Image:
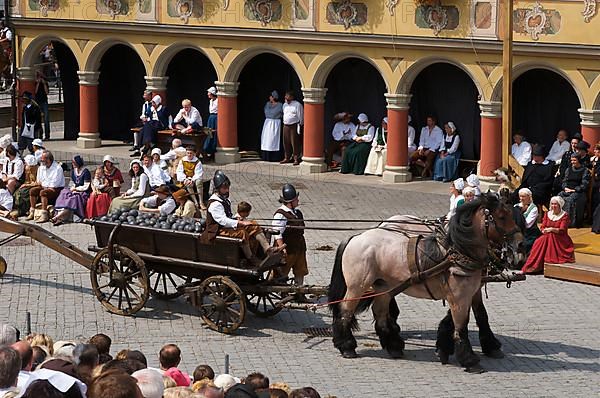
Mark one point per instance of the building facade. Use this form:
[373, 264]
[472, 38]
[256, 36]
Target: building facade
[389, 58]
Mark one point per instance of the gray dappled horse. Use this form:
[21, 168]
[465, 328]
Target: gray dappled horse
[380, 259]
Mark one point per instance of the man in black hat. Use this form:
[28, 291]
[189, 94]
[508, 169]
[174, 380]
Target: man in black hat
[221, 222]
[31, 121]
[161, 202]
[289, 222]
[537, 177]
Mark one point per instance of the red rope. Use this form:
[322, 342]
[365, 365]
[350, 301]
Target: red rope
[371, 295]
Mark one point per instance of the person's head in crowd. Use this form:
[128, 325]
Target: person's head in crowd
[182, 379]
[156, 152]
[114, 384]
[203, 372]
[190, 152]
[168, 382]
[64, 349]
[86, 355]
[244, 209]
[135, 168]
[102, 343]
[430, 121]
[41, 339]
[258, 381]
[150, 383]
[211, 92]
[108, 162]
[37, 144]
[8, 334]
[44, 389]
[26, 353]
[176, 143]
[137, 355]
[525, 196]
[469, 194]
[363, 119]
[187, 105]
[576, 160]
[277, 393]
[556, 204]
[11, 152]
[39, 356]
[574, 141]
[124, 365]
[225, 381]
[582, 148]
[306, 392]
[518, 137]
[289, 96]
[178, 392]
[597, 150]
[210, 391]
[169, 356]
[241, 391]
[121, 355]
[47, 159]
[538, 153]
[147, 95]
[281, 386]
[10, 366]
[562, 135]
[450, 128]
[457, 186]
[147, 161]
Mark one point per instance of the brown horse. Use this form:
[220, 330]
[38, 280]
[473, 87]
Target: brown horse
[377, 261]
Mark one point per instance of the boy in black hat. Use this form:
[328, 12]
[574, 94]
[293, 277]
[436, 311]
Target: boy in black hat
[538, 177]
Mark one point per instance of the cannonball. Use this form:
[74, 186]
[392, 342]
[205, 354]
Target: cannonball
[188, 228]
[133, 213]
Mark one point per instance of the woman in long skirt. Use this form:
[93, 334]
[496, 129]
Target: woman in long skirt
[72, 199]
[449, 155]
[378, 155]
[357, 153]
[99, 200]
[140, 188]
[270, 138]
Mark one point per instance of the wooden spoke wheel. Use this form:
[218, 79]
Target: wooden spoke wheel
[120, 283]
[163, 285]
[264, 305]
[222, 304]
[3, 266]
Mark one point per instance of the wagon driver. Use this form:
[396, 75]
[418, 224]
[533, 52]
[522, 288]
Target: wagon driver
[221, 222]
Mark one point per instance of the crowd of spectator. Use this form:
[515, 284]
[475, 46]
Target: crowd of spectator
[38, 367]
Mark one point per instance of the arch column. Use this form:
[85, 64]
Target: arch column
[158, 86]
[313, 159]
[491, 138]
[25, 82]
[590, 126]
[89, 136]
[396, 168]
[227, 144]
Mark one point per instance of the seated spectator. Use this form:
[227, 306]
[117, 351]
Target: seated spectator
[72, 200]
[139, 356]
[559, 147]
[529, 211]
[456, 198]
[185, 207]
[473, 181]
[14, 174]
[38, 149]
[158, 121]
[469, 194]
[226, 381]
[537, 177]
[10, 366]
[258, 381]
[555, 245]
[85, 359]
[169, 358]
[306, 392]
[140, 188]
[173, 157]
[378, 154]
[583, 149]
[99, 201]
[114, 384]
[574, 190]
[448, 155]
[565, 163]
[102, 343]
[357, 152]
[157, 159]
[113, 177]
[145, 117]
[521, 149]
[412, 147]
[156, 175]
[243, 211]
[160, 203]
[189, 175]
[5, 142]
[342, 137]
[150, 383]
[203, 372]
[21, 196]
[50, 181]
[188, 119]
[6, 200]
[430, 141]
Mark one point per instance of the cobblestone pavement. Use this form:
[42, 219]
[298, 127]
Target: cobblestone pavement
[550, 329]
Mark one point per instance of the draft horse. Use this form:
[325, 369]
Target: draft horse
[377, 262]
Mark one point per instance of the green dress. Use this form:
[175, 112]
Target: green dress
[129, 202]
[357, 154]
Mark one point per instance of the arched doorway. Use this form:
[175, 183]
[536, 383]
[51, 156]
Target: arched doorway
[190, 74]
[69, 89]
[354, 86]
[448, 93]
[121, 85]
[259, 77]
[543, 103]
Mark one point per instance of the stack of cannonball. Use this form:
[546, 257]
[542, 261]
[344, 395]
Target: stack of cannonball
[152, 220]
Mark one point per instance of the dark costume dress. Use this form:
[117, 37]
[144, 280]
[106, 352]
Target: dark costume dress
[538, 177]
[445, 169]
[152, 127]
[551, 248]
[357, 154]
[579, 180]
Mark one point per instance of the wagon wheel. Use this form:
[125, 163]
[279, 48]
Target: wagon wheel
[221, 302]
[163, 285]
[264, 305]
[120, 283]
[3, 266]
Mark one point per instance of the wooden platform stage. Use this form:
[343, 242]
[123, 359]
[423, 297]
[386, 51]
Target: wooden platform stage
[586, 268]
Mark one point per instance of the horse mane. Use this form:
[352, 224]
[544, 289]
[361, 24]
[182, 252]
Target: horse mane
[461, 230]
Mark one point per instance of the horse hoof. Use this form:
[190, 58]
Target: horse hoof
[396, 354]
[443, 356]
[496, 354]
[349, 354]
[475, 369]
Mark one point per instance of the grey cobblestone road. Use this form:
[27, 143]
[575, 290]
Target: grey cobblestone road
[550, 329]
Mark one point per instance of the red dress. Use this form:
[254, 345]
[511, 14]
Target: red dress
[551, 248]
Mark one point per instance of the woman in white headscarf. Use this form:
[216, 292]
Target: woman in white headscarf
[412, 147]
[456, 197]
[378, 154]
[357, 153]
[529, 212]
[555, 245]
[270, 138]
[158, 121]
[448, 155]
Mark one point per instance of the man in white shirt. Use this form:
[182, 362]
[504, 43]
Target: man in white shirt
[521, 149]
[145, 116]
[189, 175]
[430, 141]
[342, 136]
[156, 175]
[559, 147]
[161, 202]
[50, 181]
[293, 119]
[188, 119]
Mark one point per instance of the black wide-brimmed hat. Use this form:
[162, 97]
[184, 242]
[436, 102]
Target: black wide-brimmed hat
[539, 150]
[288, 194]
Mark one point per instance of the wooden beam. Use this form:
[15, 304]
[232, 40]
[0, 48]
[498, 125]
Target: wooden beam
[507, 81]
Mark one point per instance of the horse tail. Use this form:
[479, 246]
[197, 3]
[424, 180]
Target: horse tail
[337, 285]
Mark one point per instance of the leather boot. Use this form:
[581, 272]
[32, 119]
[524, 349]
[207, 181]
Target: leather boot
[255, 261]
[30, 215]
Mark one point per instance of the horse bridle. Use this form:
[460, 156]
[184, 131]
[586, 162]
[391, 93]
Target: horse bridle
[489, 220]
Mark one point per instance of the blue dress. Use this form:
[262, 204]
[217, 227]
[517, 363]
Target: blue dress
[152, 127]
[75, 201]
[445, 169]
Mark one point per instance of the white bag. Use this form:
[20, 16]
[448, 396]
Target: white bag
[28, 131]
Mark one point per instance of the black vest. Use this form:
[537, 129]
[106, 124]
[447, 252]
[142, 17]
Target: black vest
[293, 237]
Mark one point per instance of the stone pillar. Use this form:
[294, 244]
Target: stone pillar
[227, 132]
[25, 82]
[590, 126]
[491, 138]
[396, 168]
[313, 159]
[89, 136]
[158, 86]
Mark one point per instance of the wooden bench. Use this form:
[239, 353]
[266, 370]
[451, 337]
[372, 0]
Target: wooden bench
[196, 138]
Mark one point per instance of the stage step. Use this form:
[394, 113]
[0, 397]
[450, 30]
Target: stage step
[578, 272]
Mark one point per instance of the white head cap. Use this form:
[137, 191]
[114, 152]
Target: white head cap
[150, 383]
[212, 90]
[108, 158]
[452, 126]
[459, 184]
[226, 381]
[5, 141]
[30, 160]
[363, 118]
[37, 142]
[156, 99]
[156, 151]
[473, 180]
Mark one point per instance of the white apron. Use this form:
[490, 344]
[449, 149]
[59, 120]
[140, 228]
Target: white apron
[271, 135]
[376, 162]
